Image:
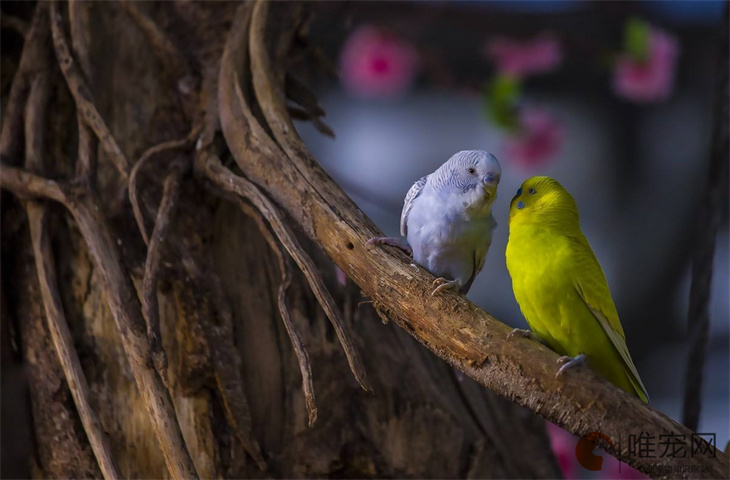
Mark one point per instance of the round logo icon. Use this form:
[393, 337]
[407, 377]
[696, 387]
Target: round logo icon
[584, 450]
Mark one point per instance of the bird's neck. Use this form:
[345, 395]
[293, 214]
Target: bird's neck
[556, 224]
[472, 204]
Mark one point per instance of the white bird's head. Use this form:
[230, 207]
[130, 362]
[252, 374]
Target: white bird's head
[471, 174]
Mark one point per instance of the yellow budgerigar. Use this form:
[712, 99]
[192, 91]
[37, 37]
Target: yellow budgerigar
[560, 286]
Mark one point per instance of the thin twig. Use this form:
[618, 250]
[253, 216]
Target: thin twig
[146, 156]
[82, 94]
[267, 90]
[298, 113]
[163, 48]
[708, 223]
[63, 341]
[14, 23]
[79, 20]
[224, 178]
[118, 289]
[24, 184]
[305, 365]
[297, 91]
[45, 267]
[34, 50]
[86, 164]
[168, 205]
[124, 304]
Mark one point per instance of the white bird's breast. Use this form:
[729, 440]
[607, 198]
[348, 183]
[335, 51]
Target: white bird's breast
[445, 239]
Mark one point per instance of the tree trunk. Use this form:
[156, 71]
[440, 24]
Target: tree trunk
[232, 374]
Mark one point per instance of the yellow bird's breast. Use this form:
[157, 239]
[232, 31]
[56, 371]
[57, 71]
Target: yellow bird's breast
[539, 261]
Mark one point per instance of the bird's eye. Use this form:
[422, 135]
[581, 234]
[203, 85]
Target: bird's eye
[531, 191]
[471, 170]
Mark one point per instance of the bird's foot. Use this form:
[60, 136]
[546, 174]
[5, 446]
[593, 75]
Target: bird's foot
[445, 284]
[521, 332]
[570, 362]
[393, 242]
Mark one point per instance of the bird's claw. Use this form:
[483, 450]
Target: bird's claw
[520, 332]
[570, 362]
[393, 242]
[444, 284]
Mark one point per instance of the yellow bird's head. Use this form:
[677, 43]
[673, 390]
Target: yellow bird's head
[543, 200]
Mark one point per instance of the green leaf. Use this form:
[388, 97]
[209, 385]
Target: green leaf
[636, 39]
[501, 96]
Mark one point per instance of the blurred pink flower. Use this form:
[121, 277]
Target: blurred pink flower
[519, 59]
[539, 137]
[563, 445]
[610, 470]
[341, 277]
[375, 63]
[651, 79]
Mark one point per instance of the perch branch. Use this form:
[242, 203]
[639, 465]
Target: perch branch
[45, 267]
[452, 327]
[168, 205]
[224, 179]
[146, 156]
[708, 223]
[82, 95]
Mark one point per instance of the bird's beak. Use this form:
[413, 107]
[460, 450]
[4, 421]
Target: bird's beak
[491, 179]
[490, 182]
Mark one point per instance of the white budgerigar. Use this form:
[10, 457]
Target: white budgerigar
[447, 219]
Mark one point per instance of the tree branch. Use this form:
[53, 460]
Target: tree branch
[82, 94]
[226, 181]
[709, 220]
[14, 23]
[124, 304]
[164, 49]
[45, 267]
[221, 176]
[35, 50]
[146, 156]
[168, 205]
[451, 326]
[63, 341]
[27, 185]
[225, 356]
[79, 19]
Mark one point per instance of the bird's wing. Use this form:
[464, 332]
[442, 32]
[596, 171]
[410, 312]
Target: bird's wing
[480, 255]
[412, 194]
[593, 288]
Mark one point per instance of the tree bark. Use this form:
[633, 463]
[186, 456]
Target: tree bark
[232, 375]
